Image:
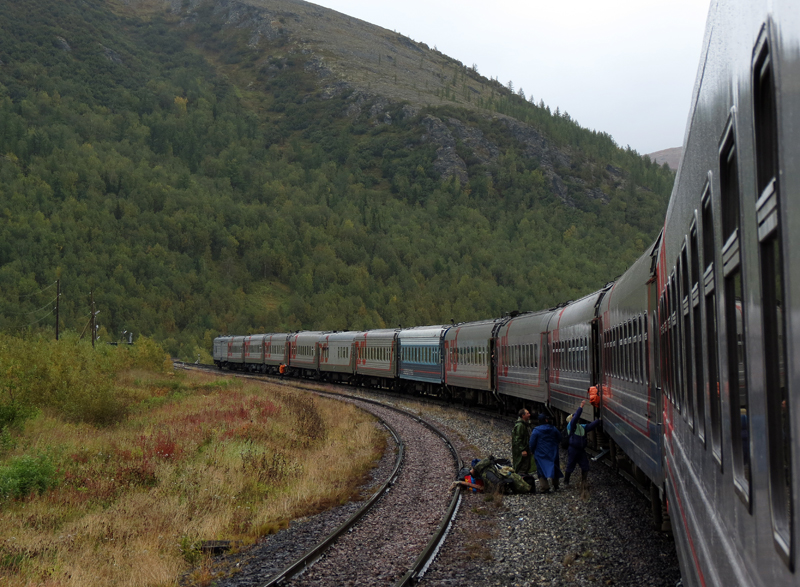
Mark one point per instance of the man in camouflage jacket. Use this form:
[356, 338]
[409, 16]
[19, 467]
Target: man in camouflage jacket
[520, 457]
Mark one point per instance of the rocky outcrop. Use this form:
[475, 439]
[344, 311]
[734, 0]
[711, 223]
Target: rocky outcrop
[62, 44]
[447, 162]
[111, 55]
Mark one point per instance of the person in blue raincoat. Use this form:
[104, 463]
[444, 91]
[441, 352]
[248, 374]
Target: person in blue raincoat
[543, 445]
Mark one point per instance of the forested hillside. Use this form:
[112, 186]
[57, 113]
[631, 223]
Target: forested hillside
[200, 178]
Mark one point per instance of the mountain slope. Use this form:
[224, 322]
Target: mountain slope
[205, 167]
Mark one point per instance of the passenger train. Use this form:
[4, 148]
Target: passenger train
[695, 349]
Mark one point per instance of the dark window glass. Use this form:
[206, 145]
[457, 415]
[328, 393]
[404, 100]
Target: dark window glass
[710, 308]
[773, 307]
[699, 387]
[734, 312]
[686, 338]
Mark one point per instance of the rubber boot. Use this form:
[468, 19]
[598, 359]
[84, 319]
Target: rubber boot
[585, 485]
[555, 483]
[566, 479]
[543, 485]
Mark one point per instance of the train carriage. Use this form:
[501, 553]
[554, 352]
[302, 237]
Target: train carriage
[304, 352]
[337, 360]
[421, 357]
[630, 394]
[276, 351]
[219, 352]
[724, 281]
[522, 356]
[376, 357]
[235, 354]
[572, 366]
[254, 352]
[468, 359]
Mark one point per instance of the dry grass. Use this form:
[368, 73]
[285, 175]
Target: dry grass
[200, 460]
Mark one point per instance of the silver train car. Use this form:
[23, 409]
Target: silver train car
[728, 316]
[695, 350]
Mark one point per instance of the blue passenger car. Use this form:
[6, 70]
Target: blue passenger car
[420, 357]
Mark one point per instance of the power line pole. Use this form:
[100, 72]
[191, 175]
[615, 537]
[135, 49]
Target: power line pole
[91, 294]
[58, 298]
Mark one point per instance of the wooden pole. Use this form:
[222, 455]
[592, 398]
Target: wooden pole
[91, 294]
[58, 298]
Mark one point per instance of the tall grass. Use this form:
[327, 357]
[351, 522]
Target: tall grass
[69, 377]
[127, 500]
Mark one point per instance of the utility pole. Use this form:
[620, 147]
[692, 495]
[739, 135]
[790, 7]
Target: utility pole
[58, 298]
[91, 294]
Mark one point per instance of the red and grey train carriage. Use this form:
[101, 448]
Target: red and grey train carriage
[337, 359]
[522, 356]
[627, 325]
[376, 357]
[469, 351]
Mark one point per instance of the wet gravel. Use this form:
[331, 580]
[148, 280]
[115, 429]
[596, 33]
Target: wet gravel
[510, 540]
[549, 539]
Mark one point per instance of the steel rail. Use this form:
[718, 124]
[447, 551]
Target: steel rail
[428, 554]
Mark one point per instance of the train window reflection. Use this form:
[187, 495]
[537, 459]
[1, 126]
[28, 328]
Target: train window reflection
[773, 316]
[736, 375]
[711, 325]
[694, 301]
[686, 339]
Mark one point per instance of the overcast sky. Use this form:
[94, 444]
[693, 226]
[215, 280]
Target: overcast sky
[625, 67]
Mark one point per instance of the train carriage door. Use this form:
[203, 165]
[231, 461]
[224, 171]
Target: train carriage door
[493, 364]
[596, 357]
[544, 363]
[596, 366]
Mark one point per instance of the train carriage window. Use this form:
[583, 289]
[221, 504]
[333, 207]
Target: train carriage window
[666, 379]
[614, 353]
[710, 308]
[771, 264]
[535, 356]
[674, 344]
[626, 357]
[734, 312]
[694, 301]
[636, 372]
[634, 327]
[686, 338]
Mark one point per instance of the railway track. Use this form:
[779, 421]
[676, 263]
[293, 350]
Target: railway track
[393, 537]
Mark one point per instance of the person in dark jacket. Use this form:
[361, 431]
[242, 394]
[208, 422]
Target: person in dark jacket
[520, 457]
[543, 444]
[577, 446]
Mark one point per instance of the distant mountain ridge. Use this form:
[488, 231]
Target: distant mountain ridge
[672, 157]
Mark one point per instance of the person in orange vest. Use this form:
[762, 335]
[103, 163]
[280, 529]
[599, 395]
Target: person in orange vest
[282, 369]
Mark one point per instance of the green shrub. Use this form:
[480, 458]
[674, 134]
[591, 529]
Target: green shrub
[147, 354]
[14, 414]
[26, 474]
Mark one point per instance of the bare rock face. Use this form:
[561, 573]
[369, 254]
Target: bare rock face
[62, 44]
[447, 163]
[111, 55]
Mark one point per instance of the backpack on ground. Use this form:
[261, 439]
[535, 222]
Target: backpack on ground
[498, 475]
